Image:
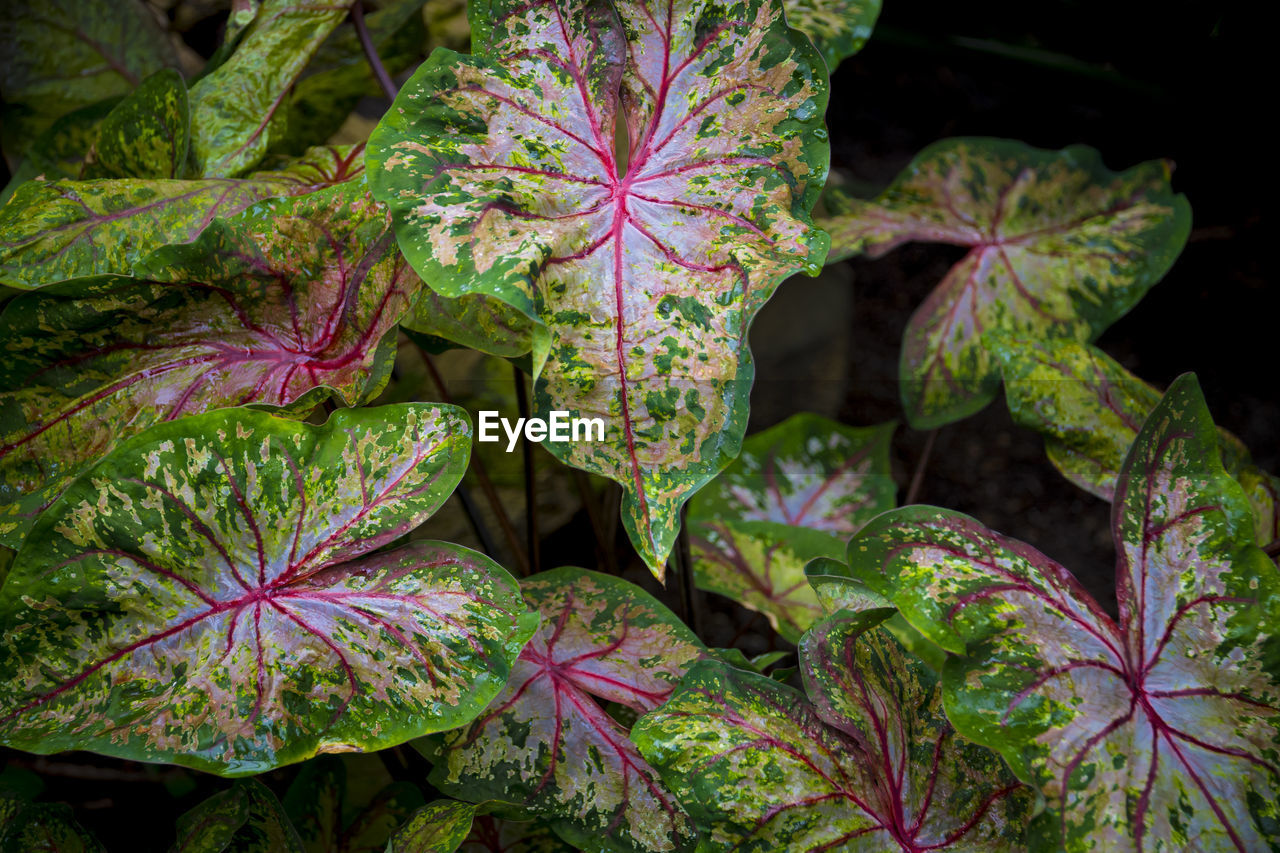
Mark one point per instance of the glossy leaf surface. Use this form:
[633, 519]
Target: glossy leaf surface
[246, 818]
[237, 110]
[546, 744]
[1160, 732]
[207, 595]
[438, 827]
[148, 134]
[1059, 247]
[502, 172]
[292, 300]
[760, 768]
[318, 804]
[837, 28]
[57, 230]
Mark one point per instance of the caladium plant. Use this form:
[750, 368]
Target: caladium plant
[207, 595]
[319, 805]
[504, 179]
[1159, 731]
[247, 818]
[1059, 246]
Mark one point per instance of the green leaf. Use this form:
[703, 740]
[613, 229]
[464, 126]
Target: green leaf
[60, 55]
[1060, 247]
[837, 28]
[545, 744]
[795, 493]
[61, 150]
[51, 231]
[437, 827]
[473, 321]
[321, 808]
[759, 769]
[246, 818]
[148, 134]
[42, 828]
[492, 835]
[644, 274]
[236, 111]
[1161, 731]
[208, 595]
[1089, 410]
[291, 301]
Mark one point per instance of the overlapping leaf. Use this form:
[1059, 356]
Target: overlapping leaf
[502, 172]
[493, 835]
[795, 493]
[60, 55]
[1089, 409]
[57, 230]
[1060, 247]
[838, 28]
[148, 134]
[438, 827]
[546, 744]
[246, 818]
[42, 828]
[474, 321]
[1161, 732]
[61, 150]
[288, 301]
[878, 769]
[318, 804]
[238, 110]
[208, 595]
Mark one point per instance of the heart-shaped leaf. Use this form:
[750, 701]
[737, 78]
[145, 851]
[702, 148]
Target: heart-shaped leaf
[837, 28]
[795, 493]
[51, 231]
[438, 827]
[148, 134]
[1159, 732]
[492, 835]
[319, 806]
[644, 272]
[60, 55]
[1060, 247]
[207, 595]
[236, 111]
[290, 301]
[246, 818]
[760, 769]
[1089, 410]
[546, 744]
[42, 828]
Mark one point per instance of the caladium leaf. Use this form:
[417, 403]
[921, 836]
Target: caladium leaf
[246, 818]
[759, 768]
[1060, 247]
[547, 746]
[502, 173]
[438, 827]
[51, 231]
[475, 321]
[838, 28]
[795, 492]
[290, 301]
[493, 835]
[318, 807]
[42, 828]
[60, 55]
[148, 134]
[1160, 732]
[1089, 410]
[207, 595]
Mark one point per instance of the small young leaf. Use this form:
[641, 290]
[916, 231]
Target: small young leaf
[246, 818]
[289, 301]
[644, 275]
[437, 827]
[42, 828]
[318, 806]
[547, 746]
[1159, 732]
[236, 111]
[148, 134]
[1061, 247]
[51, 231]
[837, 28]
[209, 595]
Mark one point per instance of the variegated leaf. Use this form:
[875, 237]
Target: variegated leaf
[643, 271]
[493, 835]
[546, 744]
[437, 827]
[319, 807]
[42, 828]
[1161, 732]
[51, 231]
[148, 134]
[246, 818]
[1089, 410]
[237, 111]
[795, 492]
[1060, 247]
[838, 28]
[60, 55]
[288, 302]
[474, 321]
[209, 595]
[759, 769]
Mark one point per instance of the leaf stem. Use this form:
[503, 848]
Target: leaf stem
[917, 479]
[371, 52]
[1272, 550]
[530, 484]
